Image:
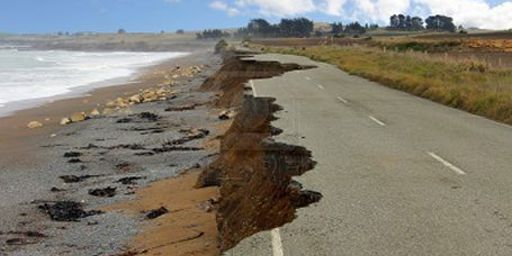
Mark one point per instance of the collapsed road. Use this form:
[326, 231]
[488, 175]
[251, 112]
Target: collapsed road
[399, 175]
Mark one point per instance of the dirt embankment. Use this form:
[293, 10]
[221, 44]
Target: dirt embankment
[253, 171]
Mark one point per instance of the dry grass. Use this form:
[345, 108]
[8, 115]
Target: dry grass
[465, 84]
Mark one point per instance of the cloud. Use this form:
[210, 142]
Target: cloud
[222, 6]
[279, 7]
[470, 13]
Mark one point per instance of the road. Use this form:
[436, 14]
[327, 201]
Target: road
[400, 175]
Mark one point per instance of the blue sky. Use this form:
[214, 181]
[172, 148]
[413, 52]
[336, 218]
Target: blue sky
[47, 16]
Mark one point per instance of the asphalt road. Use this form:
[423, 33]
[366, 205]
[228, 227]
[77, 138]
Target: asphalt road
[400, 175]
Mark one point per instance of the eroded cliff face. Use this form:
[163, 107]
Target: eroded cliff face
[254, 173]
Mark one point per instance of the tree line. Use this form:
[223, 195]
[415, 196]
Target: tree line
[303, 27]
[434, 23]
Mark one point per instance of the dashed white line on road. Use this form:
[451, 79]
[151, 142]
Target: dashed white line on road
[308, 78]
[343, 100]
[321, 87]
[446, 163]
[251, 83]
[277, 245]
[379, 122]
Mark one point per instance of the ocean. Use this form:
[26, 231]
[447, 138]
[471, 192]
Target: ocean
[26, 76]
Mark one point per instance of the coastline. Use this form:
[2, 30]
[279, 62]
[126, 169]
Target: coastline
[32, 162]
[16, 139]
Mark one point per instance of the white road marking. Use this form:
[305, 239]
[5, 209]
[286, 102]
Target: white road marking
[343, 100]
[321, 87]
[379, 122]
[251, 83]
[308, 78]
[277, 245]
[447, 164]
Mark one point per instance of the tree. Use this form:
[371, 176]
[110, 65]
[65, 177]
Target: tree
[121, 31]
[180, 31]
[260, 28]
[417, 23]
[440, 23]
[394, 22]
[212, 34]
[336, 28]
[299, 27]
[355, 28]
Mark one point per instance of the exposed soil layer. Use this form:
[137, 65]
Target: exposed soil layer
[235, 73]
[254, 172]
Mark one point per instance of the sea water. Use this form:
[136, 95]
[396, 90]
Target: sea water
[30, 75]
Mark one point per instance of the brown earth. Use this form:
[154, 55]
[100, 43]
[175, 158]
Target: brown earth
[254, 173]
[188, 229]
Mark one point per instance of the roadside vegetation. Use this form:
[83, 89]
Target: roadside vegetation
[469, 85]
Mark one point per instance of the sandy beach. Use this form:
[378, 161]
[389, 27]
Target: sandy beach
[122, 151]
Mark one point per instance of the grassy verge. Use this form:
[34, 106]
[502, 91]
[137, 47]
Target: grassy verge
[469, 85]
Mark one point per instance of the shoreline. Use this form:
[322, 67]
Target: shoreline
[16, 138]
[34, 163]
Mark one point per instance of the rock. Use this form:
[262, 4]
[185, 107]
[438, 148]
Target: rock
[103, 192]
[65, 121]
[227, 114]
[95, 112]
[153, 214]
[135, 99]
[34, 125]
[149, 96]
[67, 211]
[108, 111]
[78, 117]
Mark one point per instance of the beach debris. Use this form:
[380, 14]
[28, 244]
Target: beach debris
[65, 121]
[130, 180]
[125, 167]
[72, 154]
[227, 114]
[192, 134]
[78, 117]
[76, 179]
[103, 192]
[182, 108]
[67, 211]
[149, 116]
[34, 125]
[124, 120]
[95, 112]
[55, 190]
[74, 161]
[153, 214]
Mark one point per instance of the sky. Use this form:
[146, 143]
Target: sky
[51, 16]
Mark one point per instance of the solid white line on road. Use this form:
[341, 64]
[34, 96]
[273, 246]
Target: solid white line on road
[308, 78]
[277, 245]
[251, 83]
[321, 87]
[379, 122]
[447, 164]
[343, 100]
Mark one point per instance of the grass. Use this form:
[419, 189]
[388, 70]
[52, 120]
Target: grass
[468, 85]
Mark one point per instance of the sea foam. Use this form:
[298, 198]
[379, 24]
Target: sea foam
[30, 75]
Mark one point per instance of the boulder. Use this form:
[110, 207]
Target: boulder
[65, 121]
[34, 125]
[78, 117]
[135, 99]
[95, 112]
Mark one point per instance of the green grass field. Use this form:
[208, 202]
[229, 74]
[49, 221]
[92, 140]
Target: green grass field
[467, 85]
